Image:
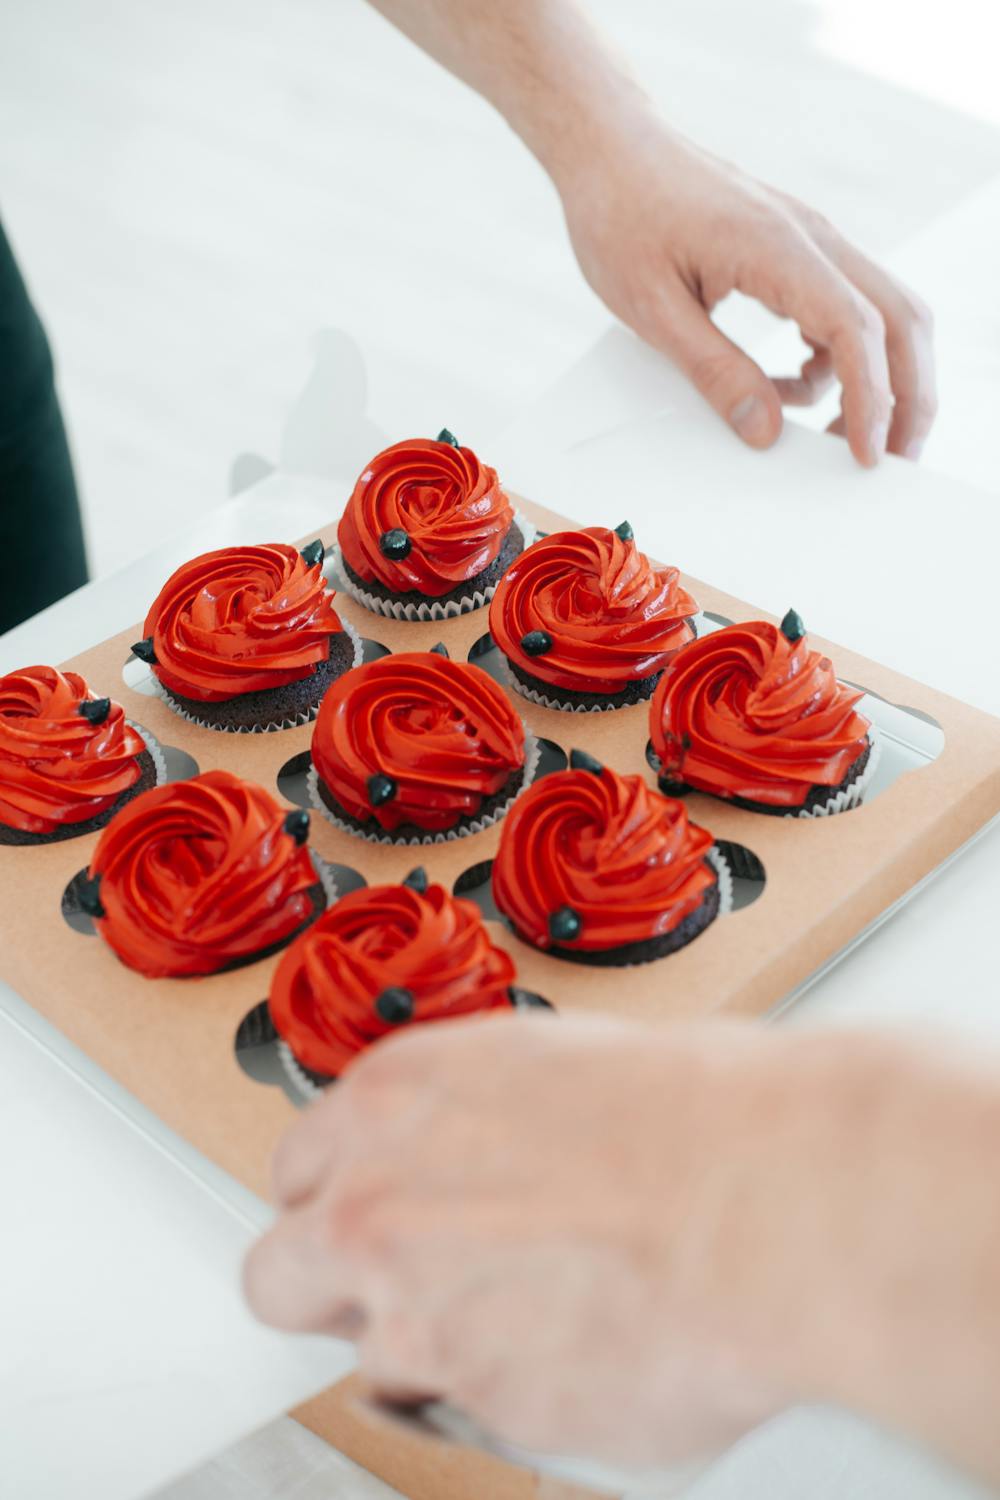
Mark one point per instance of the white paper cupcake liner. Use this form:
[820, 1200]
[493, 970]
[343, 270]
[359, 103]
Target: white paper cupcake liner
[291, 722]
[852, 795]
[532, 757]
[720, 865]
[297, 1077]
[153, 746]
[395, 609]
[326, 877]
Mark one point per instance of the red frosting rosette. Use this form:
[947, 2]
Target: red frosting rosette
[602, 854]
[748, 712]
[241, 620]
[65, 756]
[443, 508]
[377, 959]
[200, 876]
[601, 615]
[415, 738]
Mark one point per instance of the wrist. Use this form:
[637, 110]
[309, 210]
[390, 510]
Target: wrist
[804, 1182]
[858, 1235]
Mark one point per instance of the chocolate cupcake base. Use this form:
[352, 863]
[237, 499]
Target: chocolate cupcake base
[570, 701]
[153, 770]
[274, 708]
[820, 802]
[473, 594]
[717, 901]
[489, 811]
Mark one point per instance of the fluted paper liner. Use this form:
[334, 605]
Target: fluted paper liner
[396, 609]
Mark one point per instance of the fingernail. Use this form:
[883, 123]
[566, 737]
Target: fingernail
[879, 438]
[913, 450]
[750, 419]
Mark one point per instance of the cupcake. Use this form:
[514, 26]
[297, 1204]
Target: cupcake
[415, 748]
[247, 638]
[68, 760]
[600, 869]
[751, 714]
[381, 958]
[201, 876]
[427, 531]
[586, 621]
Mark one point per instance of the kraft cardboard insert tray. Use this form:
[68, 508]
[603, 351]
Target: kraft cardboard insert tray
[824, 881]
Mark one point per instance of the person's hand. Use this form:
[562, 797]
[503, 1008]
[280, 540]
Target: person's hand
[664, 231]
[591, 1236]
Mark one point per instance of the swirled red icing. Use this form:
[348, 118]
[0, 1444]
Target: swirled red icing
[56, 767]
[744, 712]
[449, 504]
[198, 875]
[613, 617]
[619, 854]
[240, 620]
[442, 730]
[323, 992]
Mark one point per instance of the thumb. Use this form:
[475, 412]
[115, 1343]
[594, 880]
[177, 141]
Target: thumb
[728, 379]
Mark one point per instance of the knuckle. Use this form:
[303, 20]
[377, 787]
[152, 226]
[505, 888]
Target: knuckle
[871, 323]
[402, 1346]
[361, 1219]
[916, 312]
[710, 374]
[919, 412]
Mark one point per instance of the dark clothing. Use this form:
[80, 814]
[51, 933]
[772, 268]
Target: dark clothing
[42, 554]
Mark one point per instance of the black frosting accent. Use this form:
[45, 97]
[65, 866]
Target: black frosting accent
[624, 530]
[381, 789]
[395, 544]
[526, 999]
[565, 925]
[536, 643]
[395, 1005]
[444, 436]
[440, 650]
[144, 650]
[297, 824]
[417, 880]
[94, 710]
[579, 760]
[792, 627]
[88, 895]
[313, 554]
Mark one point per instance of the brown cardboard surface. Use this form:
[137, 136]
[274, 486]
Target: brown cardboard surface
[171, 1041]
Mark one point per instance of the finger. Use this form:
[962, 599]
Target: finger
[812, 382]
[909, 346]
[831, 312]
[292, 1279]
[309, 1149]
[727, 378]
[837, 426]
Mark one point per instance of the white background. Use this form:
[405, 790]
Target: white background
[195, 190]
